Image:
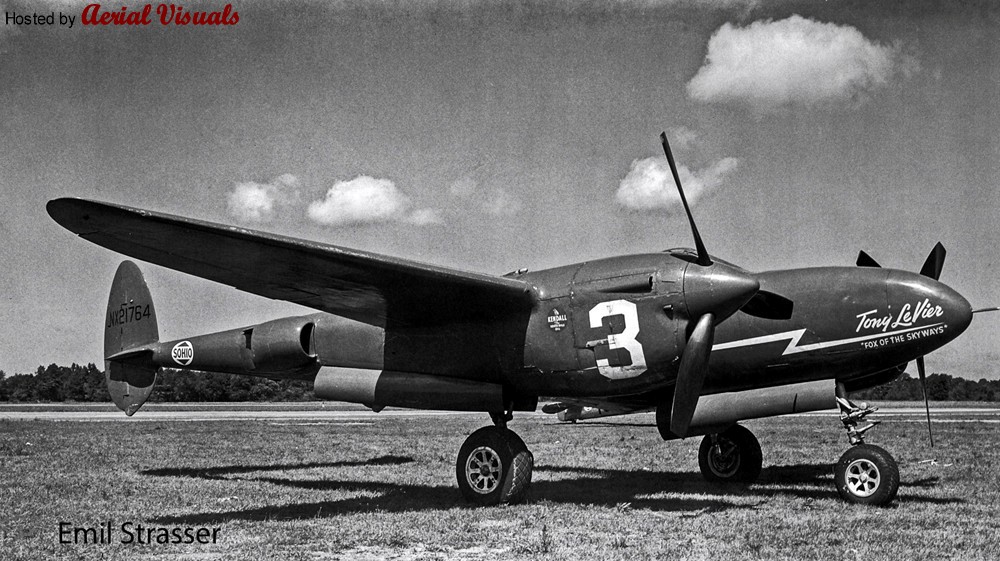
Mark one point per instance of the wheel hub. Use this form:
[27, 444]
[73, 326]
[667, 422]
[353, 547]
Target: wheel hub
[724, 458]
[482, 470]
[863, 477]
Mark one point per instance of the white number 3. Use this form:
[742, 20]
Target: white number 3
[624, 340]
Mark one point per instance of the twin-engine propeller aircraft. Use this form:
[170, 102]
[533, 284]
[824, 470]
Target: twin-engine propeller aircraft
[702, 342]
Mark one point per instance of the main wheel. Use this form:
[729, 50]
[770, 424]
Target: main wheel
[867, 474]
[733, 456]
[494, 467]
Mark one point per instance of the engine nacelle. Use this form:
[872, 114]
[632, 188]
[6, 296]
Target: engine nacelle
[719, 411]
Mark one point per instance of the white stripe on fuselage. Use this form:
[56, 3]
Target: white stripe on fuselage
[794, 336]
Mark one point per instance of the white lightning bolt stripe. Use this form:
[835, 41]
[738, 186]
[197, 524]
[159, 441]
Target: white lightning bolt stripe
[794, 336]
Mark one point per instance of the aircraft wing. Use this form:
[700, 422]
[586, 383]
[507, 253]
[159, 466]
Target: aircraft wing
[366, 287]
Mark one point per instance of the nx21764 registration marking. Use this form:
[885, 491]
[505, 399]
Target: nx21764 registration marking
[127, 313]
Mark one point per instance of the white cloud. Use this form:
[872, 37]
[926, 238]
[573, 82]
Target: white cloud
[258, 202]
[366, 200]
[682, 137]
[495, 202]
[425, 217]
[500, 202]
[771, 64]
[649, 185]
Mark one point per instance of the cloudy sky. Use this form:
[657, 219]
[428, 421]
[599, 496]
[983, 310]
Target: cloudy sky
[490, 136]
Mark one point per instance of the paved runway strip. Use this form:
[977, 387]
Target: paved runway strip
[338, 412]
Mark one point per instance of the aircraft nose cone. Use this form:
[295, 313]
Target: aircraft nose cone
[920, 300]
[718, 289]
[958, 311]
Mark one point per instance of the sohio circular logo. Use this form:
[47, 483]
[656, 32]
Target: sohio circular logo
[183, 353]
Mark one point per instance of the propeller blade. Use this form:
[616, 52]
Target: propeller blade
[769, 305]
[865, 260]
[932, 267]
[703, 257]
[923, 388]
[691, 375]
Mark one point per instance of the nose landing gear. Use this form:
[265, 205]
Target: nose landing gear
[865, 473]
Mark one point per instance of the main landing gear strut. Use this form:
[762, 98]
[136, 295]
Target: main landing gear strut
[732, 455]
[865, 474]
[494, 465]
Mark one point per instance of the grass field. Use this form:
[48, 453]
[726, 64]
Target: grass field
[385, 489]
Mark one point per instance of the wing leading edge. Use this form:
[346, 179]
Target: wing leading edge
[362, 286]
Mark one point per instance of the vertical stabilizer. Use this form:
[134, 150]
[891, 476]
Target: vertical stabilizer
[129, 329]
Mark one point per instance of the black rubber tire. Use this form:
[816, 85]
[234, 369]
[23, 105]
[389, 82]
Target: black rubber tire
[738, 460]
[494, 467]
[868, 475]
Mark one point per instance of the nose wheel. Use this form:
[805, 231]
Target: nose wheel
[865, 474]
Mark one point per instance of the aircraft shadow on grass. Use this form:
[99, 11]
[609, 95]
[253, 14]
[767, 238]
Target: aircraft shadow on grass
[220, 472]
[664, 491]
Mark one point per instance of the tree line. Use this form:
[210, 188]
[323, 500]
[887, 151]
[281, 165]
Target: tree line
[86, 383]
[940, 387]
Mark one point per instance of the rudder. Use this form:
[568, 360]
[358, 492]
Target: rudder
[130, 327]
